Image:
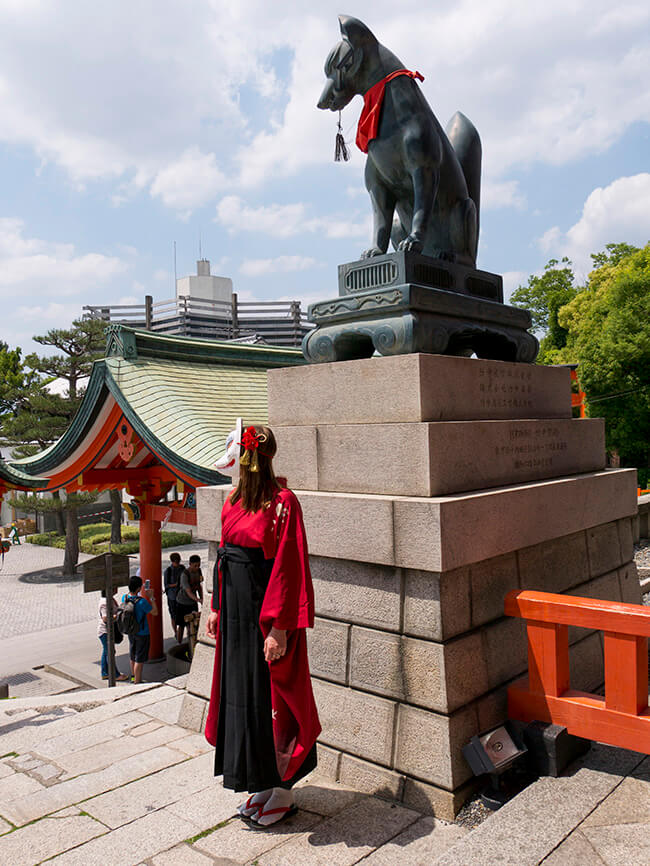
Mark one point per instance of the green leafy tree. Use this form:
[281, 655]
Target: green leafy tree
[608, 334]
[544, 297]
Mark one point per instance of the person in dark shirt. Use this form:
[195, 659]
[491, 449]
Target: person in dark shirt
[189, 594]
[172, 576]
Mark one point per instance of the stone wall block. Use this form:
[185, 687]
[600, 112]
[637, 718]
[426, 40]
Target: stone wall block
[206, 610]
[604, 548]
[490, 582]
[630, 586]
[199, 681]
[328, 649]
[328, 763]
[416, 387]
[429, 745]
[431, 800]
[626, 539]
[437, 606]
[357, 592]
[349, 526]
[340, 469]
[209, 502]
[355, 722]
[193, 713]
[208, 568]
[369, 778]
[505, 650]
[466, 672]
[297, 457]
[417, 534]
[556, 565]
[607, 587]
[586, 663]
[377, 663]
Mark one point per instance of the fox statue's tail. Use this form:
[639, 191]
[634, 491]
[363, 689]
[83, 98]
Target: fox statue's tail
[465, 140]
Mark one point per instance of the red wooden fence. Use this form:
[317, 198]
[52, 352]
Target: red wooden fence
[622, 717]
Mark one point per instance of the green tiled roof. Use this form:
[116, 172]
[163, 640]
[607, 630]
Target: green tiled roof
[188, 409]
[16, 478]
[180, 395]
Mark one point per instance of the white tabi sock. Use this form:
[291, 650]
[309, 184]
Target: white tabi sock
[281, 798]
[254, 803]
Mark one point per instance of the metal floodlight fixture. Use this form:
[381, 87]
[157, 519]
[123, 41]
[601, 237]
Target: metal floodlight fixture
[495, 751]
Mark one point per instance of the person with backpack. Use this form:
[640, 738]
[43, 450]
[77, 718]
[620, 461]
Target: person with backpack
[172, 579]
[102, 634]
[132, 621]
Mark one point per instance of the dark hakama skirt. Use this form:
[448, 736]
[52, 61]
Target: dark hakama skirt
[245, 748]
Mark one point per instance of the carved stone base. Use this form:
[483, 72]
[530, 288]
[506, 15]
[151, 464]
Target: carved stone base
[413, 318]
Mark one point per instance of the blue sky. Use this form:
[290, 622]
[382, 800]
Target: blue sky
[126, 126]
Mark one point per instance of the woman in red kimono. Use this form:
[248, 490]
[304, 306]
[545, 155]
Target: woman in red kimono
[262, 717]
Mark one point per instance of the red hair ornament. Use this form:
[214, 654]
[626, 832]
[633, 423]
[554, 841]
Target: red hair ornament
[250, 441]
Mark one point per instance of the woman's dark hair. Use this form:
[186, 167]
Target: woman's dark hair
[255, 489]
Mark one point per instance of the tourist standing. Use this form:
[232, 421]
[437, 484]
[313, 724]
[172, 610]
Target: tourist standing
[190, 593]
[102, 634]
[172, 580]
[262, 717]
[139, 642]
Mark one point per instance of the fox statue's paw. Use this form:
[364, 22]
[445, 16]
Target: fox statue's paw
[411, 244]
[373, 251]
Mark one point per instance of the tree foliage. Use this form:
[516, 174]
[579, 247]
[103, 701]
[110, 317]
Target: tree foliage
[37, 415]
[604, 327]
[544, 297]
[608, 334]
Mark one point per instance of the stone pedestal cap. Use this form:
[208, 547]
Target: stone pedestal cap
[417, 387]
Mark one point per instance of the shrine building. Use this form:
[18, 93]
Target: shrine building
[153, 420]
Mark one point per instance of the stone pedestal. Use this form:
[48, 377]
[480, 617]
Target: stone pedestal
[422, 512]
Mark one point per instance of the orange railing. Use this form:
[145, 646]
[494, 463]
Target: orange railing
[622, 717]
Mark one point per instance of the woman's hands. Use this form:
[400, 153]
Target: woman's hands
[211, 625]
[275, 645]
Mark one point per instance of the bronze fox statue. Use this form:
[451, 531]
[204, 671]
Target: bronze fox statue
[424, 184]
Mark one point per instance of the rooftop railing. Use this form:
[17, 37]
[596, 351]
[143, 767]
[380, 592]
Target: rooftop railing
[281, 323]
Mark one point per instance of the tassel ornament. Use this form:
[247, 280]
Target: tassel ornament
[341, 150]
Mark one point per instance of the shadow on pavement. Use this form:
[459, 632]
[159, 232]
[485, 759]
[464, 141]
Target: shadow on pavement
[49, 575]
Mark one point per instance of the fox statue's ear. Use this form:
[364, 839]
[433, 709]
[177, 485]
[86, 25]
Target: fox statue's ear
[356, 32]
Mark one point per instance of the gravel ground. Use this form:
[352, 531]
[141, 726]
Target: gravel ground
[642, 553]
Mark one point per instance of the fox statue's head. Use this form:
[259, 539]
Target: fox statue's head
[346, 64]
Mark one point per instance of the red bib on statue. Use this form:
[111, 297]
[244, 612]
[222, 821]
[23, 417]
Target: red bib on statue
[372, 102]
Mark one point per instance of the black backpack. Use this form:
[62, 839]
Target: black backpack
[126, 619]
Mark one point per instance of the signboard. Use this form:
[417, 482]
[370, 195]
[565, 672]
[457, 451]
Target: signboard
[107, 572]
[95, 571]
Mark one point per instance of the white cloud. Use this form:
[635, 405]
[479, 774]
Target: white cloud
[616, 213]
[185, 102]
[30, 266]
[511, 281]
[191, 181]
[285, 220]
[280, 264]
[496, 194]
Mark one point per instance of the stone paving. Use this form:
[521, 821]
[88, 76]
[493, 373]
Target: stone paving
[112, 777]
[35, 597]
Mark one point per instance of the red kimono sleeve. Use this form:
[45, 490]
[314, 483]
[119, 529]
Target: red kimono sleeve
[289, 598]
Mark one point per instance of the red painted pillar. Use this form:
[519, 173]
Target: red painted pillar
[151, 569]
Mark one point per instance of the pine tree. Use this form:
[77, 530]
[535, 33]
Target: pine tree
[50, 414]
